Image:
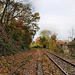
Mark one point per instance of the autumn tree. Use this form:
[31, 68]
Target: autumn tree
[43, 41]
[53, 43]
[45, 33]
[53, 37]
[23, 13]
[18, 24]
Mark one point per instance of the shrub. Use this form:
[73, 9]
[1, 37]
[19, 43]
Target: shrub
[56, 49]
[61, 51]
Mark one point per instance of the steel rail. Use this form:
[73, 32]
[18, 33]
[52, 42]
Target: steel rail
[56, 64]
[21, 65]
[6, 64]
[62, 59]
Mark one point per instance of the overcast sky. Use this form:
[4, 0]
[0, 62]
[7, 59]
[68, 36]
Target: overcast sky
[58, 16]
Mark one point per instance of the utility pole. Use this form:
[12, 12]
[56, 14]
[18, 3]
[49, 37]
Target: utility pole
[72, 34]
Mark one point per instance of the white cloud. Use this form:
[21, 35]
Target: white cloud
[56, 15]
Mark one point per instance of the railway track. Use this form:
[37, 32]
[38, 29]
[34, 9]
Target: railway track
[29, 67]
[33, 66]
[10, 62]
[14, 71]
[65, 66]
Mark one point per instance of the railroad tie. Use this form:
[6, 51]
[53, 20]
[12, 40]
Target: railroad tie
[40, 69]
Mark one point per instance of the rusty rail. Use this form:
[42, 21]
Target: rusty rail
[62, 59]
[56, 64]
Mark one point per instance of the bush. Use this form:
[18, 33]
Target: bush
[56, 49]
[7, 49]
[61, 51]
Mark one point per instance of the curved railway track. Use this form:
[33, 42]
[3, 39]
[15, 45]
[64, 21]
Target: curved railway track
[66, 67]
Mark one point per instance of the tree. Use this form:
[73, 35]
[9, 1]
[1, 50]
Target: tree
[45, 33]
[23, 14]
[43, 41]
[53, 37]
[18, 24]
[12, 10]
[52, 41]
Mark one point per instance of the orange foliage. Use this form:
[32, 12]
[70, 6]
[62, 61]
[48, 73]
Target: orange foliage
[20, 23]
[16, 46]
